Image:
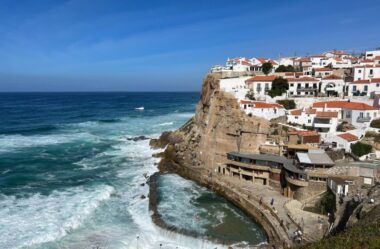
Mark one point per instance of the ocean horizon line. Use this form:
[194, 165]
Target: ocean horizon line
[3, 92]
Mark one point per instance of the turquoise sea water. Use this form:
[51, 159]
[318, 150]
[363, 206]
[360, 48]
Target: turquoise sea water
[69, 176]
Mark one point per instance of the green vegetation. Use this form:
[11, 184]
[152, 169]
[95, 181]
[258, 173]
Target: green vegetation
[287, 103]
[375, 123]
[325, 205]
[365, 234]
[279, 86]
[359, 149]
[250, 95]
[284, 69]
[267, 67]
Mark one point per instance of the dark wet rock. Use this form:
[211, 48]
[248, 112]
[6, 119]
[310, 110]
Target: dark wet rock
[139, 138]
[142, 184]
[142, 196]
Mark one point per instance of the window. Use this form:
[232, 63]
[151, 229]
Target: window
[315, 85]
[348, 115]
[359, 71]
[365, 88]
[377, 85]
[296, 117]
[292, 84]
[306, 85]
[354, 88]
[371, 71]
[361, 115]
[309, 121]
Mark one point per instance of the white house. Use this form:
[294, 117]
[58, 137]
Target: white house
[236, 86]
[302, 87]
[260, 85]
[286, 61]
[262, 109]
[317, 60]
[302, 116]
[257, 63]
[365, 72]
[372, 54]
[332, 85]
[343, 141]
[321, 121]
[322, 72]
[364, 87]
[338, 185]
[240, 64]
[336, 54]
[341, 63]
[358, 114]
[325, 121]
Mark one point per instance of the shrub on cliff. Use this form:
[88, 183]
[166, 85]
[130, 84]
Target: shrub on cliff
[287, 103]
[267, 67]
[279, 86]
[375, 123]
[359, 149]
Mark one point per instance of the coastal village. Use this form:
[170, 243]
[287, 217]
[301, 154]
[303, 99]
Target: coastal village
[324, 136]
[294, 142]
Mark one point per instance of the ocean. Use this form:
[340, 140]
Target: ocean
[70, 177]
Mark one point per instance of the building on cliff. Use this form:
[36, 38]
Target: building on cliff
[262, 109]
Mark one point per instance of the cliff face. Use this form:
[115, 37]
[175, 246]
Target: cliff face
[218, 127]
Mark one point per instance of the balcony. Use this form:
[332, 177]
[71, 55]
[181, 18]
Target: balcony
[363, 119]
[296, 182]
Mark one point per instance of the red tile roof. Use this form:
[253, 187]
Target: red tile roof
[303, 59]
[348, 137]
[303, 133]
[246, 63]
[344, 104]
[296, 112]
[310, 111]
[337, 52]
[367, 61]
[327, 114]
[373, 80]
[302, 79]
[361, 82]
[318, 56]
[323, 69]
[260, 104]
[332, 77]
[262, 78]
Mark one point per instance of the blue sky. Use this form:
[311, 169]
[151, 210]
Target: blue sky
[115, 45]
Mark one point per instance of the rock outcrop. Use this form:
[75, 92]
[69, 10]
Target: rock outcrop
[219, 126]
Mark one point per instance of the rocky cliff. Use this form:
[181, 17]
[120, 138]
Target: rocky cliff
[218, 127]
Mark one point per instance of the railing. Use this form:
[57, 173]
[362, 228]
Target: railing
[363, 119]
[322, 121]
[306, 89]
[297, 182]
